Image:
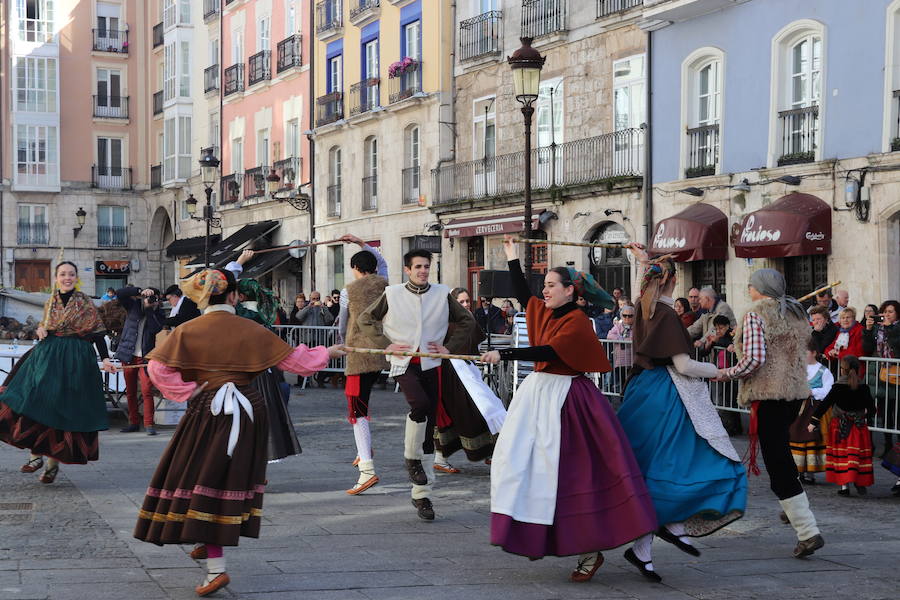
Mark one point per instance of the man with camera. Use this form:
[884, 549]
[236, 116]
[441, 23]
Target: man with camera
[145, 319]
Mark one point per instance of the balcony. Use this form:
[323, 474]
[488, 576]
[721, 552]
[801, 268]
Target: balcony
[234, 79]
[481, 36]
[289, 53]
[157, 35]
[334, 200]
[111, 107]
[611, 7]
[406, 84]
[364, 96]
[255, 182]
[703, 151]
[289, 169]
[329, 14]
[799, 135]
[210, 9]
[411, 182]
[210, 79]
[361, 10]
[155, 176]
[111, 178]
[110, 40]
[260, 67]
[329, 108]
[599, 160]
[157, 103]
[543, 17]
[231, 184]
[370, 192]
[33, 233]
[112, 236]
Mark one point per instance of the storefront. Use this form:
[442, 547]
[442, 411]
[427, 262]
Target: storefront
[110, 274]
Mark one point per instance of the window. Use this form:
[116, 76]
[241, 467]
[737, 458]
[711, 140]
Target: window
[35, 84]
[263, 33]
[35, 19]
[891, 134]
[290, 18]
[33, 225]
[109, 92]
[334, 181]
[549, 109]
[37, 160]
[412, 146]
[337, 267]
[412, 40]
[237, 155]
[177, 159]
[262, 148]
[214, 131]
[411, 157]
[370, 174]
[184, 11]
[237, 47]
[174, 15]
[702, 101]
[292, 139]
[185, 160]
[169, 67]
[108, 25]
[628, 92]
[484, 148]
[169, 13]
[169, 144]
[109, 163]
[184, 85]
[335, 77]
[213, 52]
[112, 226]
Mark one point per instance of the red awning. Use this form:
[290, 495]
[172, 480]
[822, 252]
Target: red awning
[489, 225]
[699, 232]
[794, 225]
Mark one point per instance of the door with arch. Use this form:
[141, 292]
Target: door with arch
[610, 266]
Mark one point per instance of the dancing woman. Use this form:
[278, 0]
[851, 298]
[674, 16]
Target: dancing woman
[692, 470]
[563, 480]
[208, 487]
[54, 404]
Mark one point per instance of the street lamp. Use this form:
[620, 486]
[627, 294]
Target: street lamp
[526, 64]
[80, 216]
[209, 169]
[273, 182]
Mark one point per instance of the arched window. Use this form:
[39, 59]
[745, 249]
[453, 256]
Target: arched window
[370, 174]
[411, 175]
[334, 182]
[702, 77]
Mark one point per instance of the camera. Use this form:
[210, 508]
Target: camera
[154, 299]
[877, 318]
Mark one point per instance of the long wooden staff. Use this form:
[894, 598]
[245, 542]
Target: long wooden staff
[560, 243]
[408, 353]
[821, 289]
[298, 246]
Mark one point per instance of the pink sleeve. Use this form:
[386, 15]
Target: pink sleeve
[168, 381]
[305, 361]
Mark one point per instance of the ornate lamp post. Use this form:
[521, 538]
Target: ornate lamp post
[209, 169]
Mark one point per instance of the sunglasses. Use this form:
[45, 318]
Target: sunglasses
[627, 316]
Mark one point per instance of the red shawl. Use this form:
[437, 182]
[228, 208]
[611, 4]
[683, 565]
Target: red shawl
[571, 336]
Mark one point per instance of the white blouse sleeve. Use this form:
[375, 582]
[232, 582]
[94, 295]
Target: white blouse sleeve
[685, 365]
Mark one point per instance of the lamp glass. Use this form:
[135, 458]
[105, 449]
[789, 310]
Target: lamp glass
[272, 185]
[80, 215]
[191, 205]
[208, 173]
[526, 83]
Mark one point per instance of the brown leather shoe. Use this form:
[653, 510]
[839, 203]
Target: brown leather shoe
[49, 475]
[33, 465]
[359, 488]
[582, 574]
[807, 547]
[424, 508]
[215, 585]
[416, 472]
[199, 553]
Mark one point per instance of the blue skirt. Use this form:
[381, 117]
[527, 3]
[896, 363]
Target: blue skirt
[688, 480]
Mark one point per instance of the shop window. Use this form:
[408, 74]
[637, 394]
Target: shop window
[709, 273]
[804, 274]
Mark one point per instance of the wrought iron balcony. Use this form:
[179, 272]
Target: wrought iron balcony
[111, 177]
[231, 184]
[370, 192]
[111, 107]
[260, 67]
[210, 78]
[406, 84]
[210, 9]
[609, 7]
[289, 50]
[581, 162]
[543, 17]
[157, 103]
[703, 151]
[33, 233]
[289, 169]
[157, 35]
[328, 17]
[799, 135]
[111, 40]
[155, 176]
[234, 79]
[255, 181]
[481, 35]
[334, 200]
[363, 9]
[112, 236]
[411, 182]
[364, 96]
[329, 108]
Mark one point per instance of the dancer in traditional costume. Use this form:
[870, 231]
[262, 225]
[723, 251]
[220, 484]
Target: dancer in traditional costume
[370, 272]
[809, 447]
[208, 487]
[415, 316]
[771, 348]
[692, 470]
[564, 480]
[53, 404]
[258, 304]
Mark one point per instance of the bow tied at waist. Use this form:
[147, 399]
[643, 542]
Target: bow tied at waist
[230, 400]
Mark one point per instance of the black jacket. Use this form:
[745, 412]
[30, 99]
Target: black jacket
[491, 319]
[187, 312]
[130, 299]
[824, 338]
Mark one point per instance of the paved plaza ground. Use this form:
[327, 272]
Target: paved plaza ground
[72, 539]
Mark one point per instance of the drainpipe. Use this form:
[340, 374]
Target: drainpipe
[2, 145]
[312, 146]
[648, 147]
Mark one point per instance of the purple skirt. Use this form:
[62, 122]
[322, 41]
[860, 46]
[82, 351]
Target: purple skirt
[601, 499]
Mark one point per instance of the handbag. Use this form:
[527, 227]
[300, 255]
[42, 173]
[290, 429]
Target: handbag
[890, 374]
[799, 429]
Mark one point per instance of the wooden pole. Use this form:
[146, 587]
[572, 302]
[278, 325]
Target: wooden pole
[408, 353]
[298, 246]
[821, 289]
[560, 243]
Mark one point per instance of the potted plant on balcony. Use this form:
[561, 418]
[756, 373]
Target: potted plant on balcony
[233, 191]
[407, 65]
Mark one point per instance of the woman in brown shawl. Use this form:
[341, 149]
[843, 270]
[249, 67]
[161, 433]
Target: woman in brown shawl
[208, 486]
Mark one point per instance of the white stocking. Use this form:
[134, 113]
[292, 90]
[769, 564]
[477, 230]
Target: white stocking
[678, 530]
[643, 549]
[363, 439]
[214, 568]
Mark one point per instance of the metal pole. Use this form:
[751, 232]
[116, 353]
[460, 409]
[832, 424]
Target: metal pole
[528, 111]
[207, 216]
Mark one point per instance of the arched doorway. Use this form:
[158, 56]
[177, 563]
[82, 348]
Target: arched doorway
[610, 266]
[893, 256]
[161, 235]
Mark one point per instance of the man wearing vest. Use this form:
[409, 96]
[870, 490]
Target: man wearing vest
[771, 348]
[414, 316]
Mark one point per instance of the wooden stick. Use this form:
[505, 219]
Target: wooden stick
[560, 243]
[408, 353]
[821, 289]
[298, 246]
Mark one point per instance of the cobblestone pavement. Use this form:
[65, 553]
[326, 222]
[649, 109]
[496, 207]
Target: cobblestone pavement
[73, 539]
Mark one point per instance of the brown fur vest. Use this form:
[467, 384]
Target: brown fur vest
[362, 293]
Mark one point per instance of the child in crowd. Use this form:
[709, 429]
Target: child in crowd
[809, 447]
[724, 393]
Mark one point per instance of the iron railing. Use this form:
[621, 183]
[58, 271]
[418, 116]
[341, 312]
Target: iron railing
[33, 233]
[360, 7]
[799, 135]
[210, 78]
[405, 85]
[158, 35]
[233, 79]
[110, 40]
[370, 192]
[111, 107]
[115, 236]
[703, 151]
[231, 184]
[289, 169]
[158, 102]
[255, 181]
[155, 176]
[580, 162]
[365, 95]
[289, 50]
[609, 7]
[260, 67]
[411, 183]
[543, 17]
[210, 9]
[111, 178]
[481, 35]
[328, 16]
[329, 108]
[334, 200]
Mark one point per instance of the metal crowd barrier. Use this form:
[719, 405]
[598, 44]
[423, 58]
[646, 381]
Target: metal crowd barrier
[313, 336]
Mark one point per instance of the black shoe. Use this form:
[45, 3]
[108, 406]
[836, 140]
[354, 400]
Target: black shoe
[130, 429]
[808, 479]
[423, 506]
[416, 472]
[860, 490]
[631, 557]
[895, 490]
[666, 535]
[844, 492]
[807, 547]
